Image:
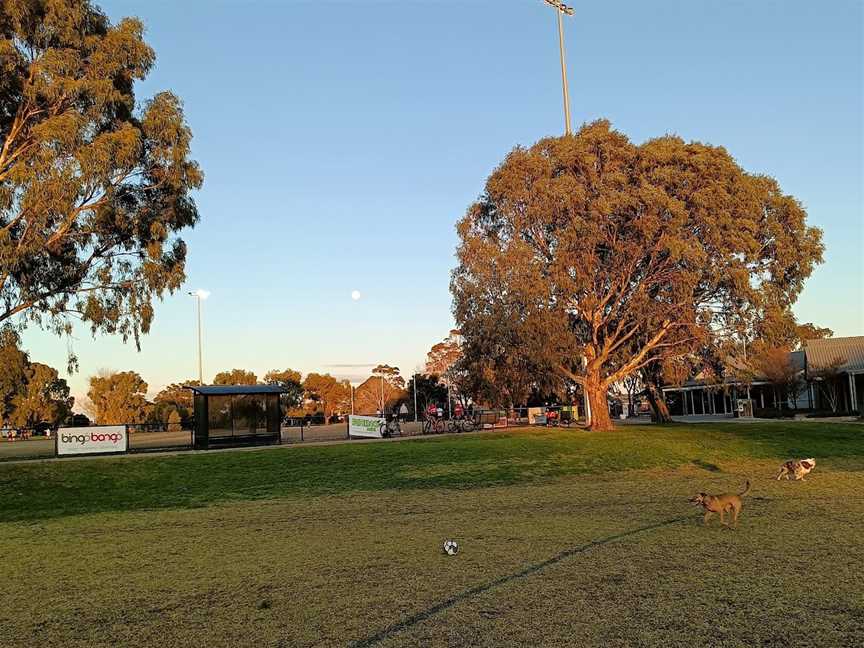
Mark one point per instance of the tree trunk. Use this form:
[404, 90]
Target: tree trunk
[659, 409]
[595, 390]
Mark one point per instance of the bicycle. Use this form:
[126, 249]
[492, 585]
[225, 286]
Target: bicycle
[391, 428]
[433, 425]
[468, 423]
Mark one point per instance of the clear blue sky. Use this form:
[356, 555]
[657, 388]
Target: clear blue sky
[341, 142]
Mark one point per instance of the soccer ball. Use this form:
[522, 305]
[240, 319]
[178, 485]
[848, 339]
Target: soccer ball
[451, 548]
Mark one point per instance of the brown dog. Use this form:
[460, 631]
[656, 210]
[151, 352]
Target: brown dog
[727, 503]
[797, 467]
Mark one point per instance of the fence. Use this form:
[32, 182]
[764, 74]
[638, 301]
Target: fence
[304, 430]
[155, 438]
[147, 437]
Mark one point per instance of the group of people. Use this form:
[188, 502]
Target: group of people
[11, 434]
[434, 410]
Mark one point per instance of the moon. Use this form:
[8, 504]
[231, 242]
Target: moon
[355, 295]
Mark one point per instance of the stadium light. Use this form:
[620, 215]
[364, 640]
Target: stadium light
[200, 295]
[562, 9]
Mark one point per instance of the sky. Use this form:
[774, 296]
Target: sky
[342, 141]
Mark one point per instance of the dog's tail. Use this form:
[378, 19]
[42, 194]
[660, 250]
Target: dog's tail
[746, 489]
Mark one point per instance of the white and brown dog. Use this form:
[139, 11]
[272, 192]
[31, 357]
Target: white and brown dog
[797, 467]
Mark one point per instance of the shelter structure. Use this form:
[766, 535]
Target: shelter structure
[228, 415]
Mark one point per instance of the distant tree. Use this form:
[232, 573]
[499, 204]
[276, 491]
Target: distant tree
[390, 375]
[44, 399]
[589, 258]
[118, 398]
[235, 377]
[652, 378]
[444, 355]
[775, 365]
[30, 392]
[491, 375]
[325, 392]
[430, 390]
[827, 379]
[13, 371]
[176, 394]
[174, 397]
[292, 382]
[174, 422]
[632, 385]
[382, 391]
[341, 397]
[94, 184]
[158, 413]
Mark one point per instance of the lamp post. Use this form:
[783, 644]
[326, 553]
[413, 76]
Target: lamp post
[199, 296]
[560, 10]
[415, 397]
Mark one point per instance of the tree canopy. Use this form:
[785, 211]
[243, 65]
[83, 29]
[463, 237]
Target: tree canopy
[13, 371]
[118, 398]
[94, 184]
[430, 390]
[326, 391]
[235, 377]
[292, 382]
[444, 355]
[30, 392]
[588, 258]
[177, 395]
[383, 391]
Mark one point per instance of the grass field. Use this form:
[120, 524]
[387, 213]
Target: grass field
[568, 538]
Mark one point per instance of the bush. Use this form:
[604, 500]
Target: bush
[772, 413]
[829, 414]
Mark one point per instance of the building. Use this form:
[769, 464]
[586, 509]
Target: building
[831, 373]
[835, 373]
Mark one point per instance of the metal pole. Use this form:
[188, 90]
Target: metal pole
[200, 361]
[415, 397]
[567, 130]
[745, 362]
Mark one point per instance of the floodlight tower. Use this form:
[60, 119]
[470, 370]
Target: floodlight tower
[561, 9]
[199, 296]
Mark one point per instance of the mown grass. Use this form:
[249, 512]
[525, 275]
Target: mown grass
[568, 538]
[43, 490]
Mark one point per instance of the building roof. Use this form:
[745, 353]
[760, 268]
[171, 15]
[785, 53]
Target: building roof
[822, 353]
[235, 390]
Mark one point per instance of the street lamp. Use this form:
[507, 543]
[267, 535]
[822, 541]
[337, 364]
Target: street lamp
[561, 9]
[415, 397]
[200, 295]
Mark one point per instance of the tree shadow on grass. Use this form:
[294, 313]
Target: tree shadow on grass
[446, 604]
[776, 440]
[705, 465]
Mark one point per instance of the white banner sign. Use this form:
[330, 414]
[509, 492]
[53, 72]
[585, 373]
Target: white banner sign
[100, 439]
[365, 426]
